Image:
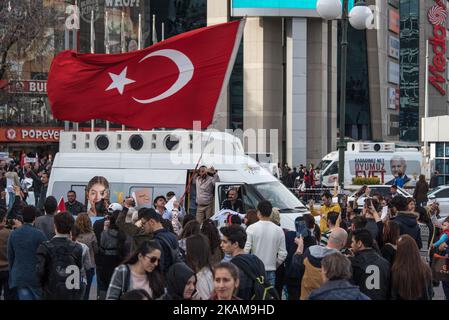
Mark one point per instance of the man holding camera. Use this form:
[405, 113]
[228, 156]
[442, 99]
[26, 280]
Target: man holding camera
[205, 188]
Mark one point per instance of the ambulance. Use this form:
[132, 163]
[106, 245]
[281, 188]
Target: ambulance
[370, 159]
[155, 162]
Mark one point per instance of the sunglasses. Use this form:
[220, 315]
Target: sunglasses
[153, 259]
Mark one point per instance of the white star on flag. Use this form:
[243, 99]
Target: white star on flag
[119, 81]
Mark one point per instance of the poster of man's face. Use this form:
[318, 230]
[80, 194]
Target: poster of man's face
[143, 197]
[398, 166]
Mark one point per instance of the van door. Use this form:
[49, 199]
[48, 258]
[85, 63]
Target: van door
[250, 201]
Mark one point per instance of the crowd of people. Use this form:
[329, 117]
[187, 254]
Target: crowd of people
[25, 178]
[382, 250]
[301, 177]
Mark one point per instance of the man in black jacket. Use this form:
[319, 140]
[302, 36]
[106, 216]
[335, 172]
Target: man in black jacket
[166, 239]
[233, 202]
[371, 272]
[407, 221]
[59, 262]
[233, 243]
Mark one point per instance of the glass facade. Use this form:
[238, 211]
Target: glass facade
[442, 162]
[358, 115]
[236, 92]
[409, 71]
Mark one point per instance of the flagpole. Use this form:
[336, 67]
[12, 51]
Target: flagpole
[75, 44]
[139, 33]
[106, 45]
[66, 47]
[122, 41]
[92, 50]
[122, 32]
[163, 31]
[154, 33]
[426, 114]
[106, 33]
[237, 42]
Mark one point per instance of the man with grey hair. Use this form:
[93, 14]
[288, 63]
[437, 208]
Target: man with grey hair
[336, 273]
[310, 260]
[398, 167]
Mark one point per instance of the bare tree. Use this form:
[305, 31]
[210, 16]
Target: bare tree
[23, 28]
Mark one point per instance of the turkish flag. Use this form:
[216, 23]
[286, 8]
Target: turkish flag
[168, 85]
[61, 205]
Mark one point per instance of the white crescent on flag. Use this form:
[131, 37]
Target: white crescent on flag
[185, 68]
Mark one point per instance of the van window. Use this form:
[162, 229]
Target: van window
[250, 200]
[80, 191]
[333, 169]
[279, 196]
[323, 164]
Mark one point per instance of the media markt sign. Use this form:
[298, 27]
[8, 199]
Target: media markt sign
[437, 15]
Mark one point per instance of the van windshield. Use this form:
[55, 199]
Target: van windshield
[279, 196]
[323, 164]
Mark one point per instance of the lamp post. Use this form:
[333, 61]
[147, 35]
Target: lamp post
[360, 18]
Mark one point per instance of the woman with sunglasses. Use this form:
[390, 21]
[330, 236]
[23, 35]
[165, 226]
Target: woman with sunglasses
[140, 271]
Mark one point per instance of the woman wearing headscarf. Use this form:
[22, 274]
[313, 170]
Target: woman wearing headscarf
[180, 281]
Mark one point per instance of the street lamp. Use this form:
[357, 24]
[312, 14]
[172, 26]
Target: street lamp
[360, 18]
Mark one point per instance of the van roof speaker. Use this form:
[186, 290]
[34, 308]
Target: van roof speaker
[136, 142]
[102, 142]
[171, 142]
[377, 147]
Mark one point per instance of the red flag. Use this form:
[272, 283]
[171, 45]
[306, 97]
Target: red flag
[22, 159]
[169, 85]
[61, 205]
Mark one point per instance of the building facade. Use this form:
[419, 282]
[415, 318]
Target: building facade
[286, 75]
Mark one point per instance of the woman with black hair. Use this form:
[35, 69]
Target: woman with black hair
[211, 232]
[112, 249]
[139, 271]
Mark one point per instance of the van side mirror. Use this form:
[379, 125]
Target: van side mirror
[431, 197]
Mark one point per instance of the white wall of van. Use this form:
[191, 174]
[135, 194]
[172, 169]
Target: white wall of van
[128, 170]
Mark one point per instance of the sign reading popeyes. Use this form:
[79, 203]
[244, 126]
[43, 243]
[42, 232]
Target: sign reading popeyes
[24, 134]
[437, 15]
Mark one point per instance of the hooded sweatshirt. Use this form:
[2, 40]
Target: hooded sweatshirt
[408, 225]
[311, 278]
[176, 280]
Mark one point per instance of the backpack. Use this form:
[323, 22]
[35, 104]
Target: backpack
[175, 254]
[263, 290]
[61, 257]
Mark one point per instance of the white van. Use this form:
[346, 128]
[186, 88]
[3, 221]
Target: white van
[162, 161]
[369, 159]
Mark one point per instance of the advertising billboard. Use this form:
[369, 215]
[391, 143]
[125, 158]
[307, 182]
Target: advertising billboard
[276, 8]
[393, 98]
[393, 20]
[393, 72]
[393, 47]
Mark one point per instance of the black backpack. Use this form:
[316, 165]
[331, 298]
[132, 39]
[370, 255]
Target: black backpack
[176, 254]
[263, 290]
[59, 286]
